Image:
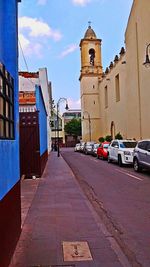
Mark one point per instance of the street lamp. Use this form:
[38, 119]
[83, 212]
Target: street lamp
[61, 99]
[147, 60]
[89, 119]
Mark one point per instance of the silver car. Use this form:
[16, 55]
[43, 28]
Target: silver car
[77, 148]
[82, 146]
[88, 147]
[141, 156]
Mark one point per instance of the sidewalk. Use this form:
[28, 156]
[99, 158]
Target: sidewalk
[55, 212]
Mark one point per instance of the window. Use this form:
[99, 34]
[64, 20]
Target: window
[128, 144]
[148, 146]
[6, 104]
[92, 56]
[117, 84]
[142, 145]
[115, 144]
[106, 97]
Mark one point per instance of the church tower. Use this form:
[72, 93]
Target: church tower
[90, 74]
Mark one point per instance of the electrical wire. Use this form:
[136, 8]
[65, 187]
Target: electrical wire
[25, 61]
[23, 55]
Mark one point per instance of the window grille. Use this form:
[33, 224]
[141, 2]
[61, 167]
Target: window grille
[117, 83]
[6, 104]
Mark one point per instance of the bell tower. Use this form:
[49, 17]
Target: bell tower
[90, 74]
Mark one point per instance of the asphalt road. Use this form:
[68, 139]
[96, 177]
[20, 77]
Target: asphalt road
[121, 197]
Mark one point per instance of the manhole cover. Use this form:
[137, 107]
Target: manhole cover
[76, 251]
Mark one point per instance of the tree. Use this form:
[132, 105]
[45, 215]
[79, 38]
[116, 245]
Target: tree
[101, 139]
[73, 127]
[108, 138]
[118, 136]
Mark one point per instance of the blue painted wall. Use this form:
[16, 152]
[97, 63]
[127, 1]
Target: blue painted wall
[9, 150]
[42, 120]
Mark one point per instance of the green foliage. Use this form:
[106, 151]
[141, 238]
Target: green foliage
[101, 139]
[118, 136]
[108, 138]
[73, 127]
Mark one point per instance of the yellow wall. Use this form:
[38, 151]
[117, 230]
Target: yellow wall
[116, 111]
[138, 83]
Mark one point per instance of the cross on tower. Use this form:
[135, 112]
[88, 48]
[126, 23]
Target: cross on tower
[89, 22]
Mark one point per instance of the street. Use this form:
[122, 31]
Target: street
[121, 197]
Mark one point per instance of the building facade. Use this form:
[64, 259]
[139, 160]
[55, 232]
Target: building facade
[122, 91]
[10, 204]
[137, 37]
[33, 133]
[28, 82]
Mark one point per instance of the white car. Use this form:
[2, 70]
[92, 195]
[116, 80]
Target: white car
[121, 151]
[77, 147]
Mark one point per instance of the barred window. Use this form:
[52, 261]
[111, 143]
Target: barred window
[117, 82]
[6, 104]
[106, 97]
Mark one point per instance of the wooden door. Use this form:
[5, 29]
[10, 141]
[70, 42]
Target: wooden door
[29, 144]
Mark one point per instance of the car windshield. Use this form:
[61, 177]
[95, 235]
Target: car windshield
[128, 144]
[105, 145]
[96, 145]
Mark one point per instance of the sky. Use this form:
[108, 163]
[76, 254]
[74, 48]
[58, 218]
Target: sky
[50, 32]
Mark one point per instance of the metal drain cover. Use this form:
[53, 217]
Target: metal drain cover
[76, 251]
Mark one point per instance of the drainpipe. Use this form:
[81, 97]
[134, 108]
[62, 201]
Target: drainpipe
[139, 89]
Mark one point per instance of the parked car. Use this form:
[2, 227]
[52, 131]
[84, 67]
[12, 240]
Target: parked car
[94, 149]
[121, 151]
[102, 151]
[77, 147]
[88, 147]
[141, 155]
[82, 143]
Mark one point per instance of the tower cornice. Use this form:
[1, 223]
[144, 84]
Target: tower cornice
[90, 40]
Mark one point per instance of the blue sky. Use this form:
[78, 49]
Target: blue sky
[50, 32]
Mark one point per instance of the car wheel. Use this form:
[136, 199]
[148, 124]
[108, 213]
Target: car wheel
[136, 165]
[120, 161]
[97, 156]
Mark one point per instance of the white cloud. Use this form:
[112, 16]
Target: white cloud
[42, 2]
[30, 48]
[31, 33]
[38, 28]
[81, 2]
[25, 43]
[70, 49]
[74, 104]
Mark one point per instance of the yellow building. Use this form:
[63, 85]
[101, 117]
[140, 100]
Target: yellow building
[117, 100]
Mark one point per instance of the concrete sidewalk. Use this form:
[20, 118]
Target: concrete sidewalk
[55, 212]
